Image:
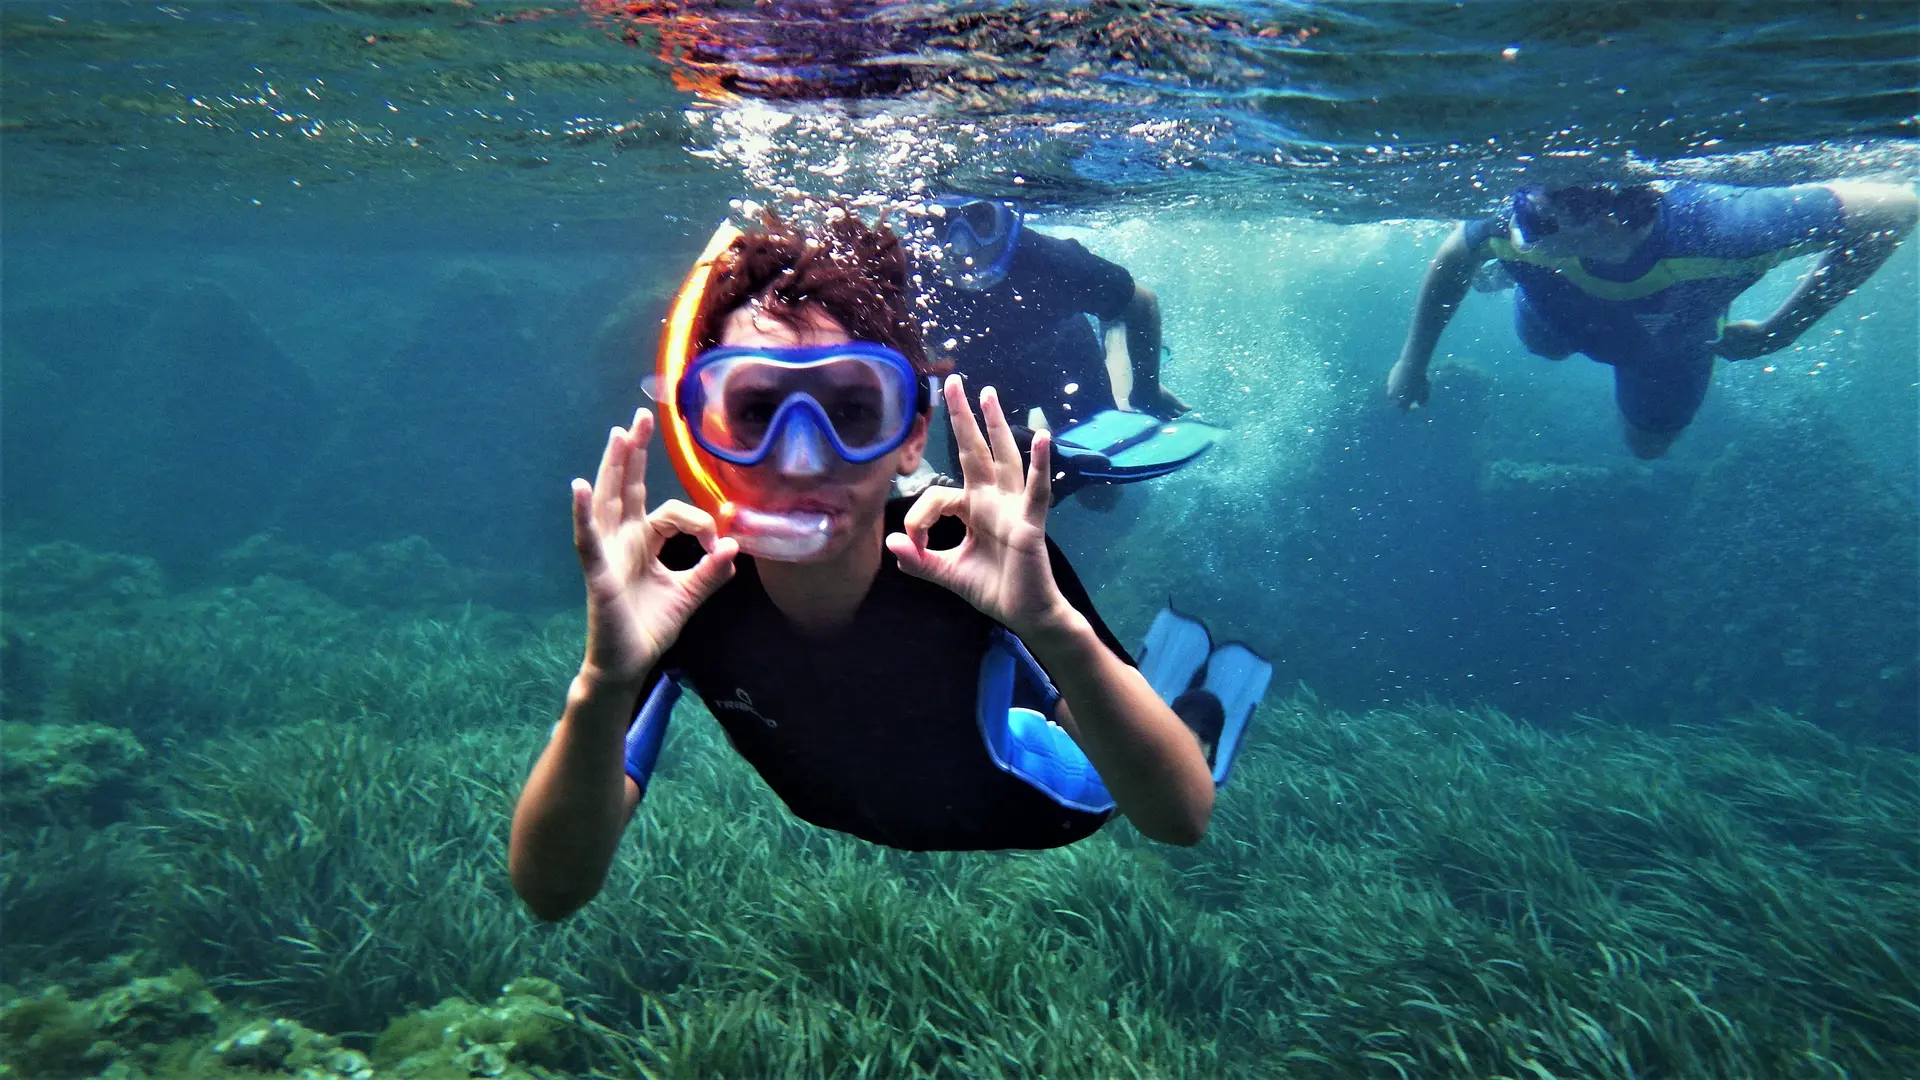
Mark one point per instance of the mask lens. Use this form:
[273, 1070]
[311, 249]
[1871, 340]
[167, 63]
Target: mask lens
[747, 412]
[855, 401]
[746, 397]
[1534, 216]
[973, 226]
[983, 218]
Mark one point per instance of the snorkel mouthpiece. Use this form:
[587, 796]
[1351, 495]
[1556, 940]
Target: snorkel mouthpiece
[787, 537]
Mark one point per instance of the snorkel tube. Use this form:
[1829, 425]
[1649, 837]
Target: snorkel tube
[788, 536]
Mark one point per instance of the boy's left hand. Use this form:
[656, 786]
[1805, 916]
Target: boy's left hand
[1001, 567]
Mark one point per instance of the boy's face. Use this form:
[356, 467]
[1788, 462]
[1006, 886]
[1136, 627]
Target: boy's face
[1596, 236]
[804, 474]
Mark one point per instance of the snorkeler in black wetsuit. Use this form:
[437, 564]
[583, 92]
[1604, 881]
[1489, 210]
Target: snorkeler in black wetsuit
[1008, 305]
[962, 697]
[872, 731]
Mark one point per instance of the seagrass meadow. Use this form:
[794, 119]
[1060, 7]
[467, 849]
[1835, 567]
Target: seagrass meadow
[252, 830]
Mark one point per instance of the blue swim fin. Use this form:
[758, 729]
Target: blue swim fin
[1178, 656]
[1015, 698]
[1238, 677]
[1127, 446]
[1175, 648]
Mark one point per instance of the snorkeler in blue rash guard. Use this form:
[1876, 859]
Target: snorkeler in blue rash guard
[1640, 277]
[925, 674]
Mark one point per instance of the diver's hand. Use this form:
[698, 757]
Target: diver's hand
[1747, 339]
[636, 607]
[1163, 403]
[1001, 567]
[1407, 384]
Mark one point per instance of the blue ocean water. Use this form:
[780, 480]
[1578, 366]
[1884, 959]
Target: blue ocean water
[339, 295]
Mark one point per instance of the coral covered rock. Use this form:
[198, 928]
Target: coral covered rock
[522, 1034]
[149, 1012]
[285, 1046]
[119, 1032]
[65, 575]
[48, 1034]
[65, 774]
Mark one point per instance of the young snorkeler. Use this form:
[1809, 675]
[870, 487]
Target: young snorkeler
[925, 674]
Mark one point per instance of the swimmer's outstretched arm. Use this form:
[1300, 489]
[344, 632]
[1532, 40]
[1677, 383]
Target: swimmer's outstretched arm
[1875, 217]
[1441, 291]
[1149, 760]
[578, 798]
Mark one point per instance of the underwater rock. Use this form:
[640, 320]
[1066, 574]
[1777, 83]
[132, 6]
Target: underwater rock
[1791, 581]
[262, 1045]
[1507, 478]
[26, 668]
[113, 1034]
[62, 576]
[59, 353]
[458, 439]
[522, 1034]
[65, 774]
[146, 1026]
[49, 1034]
[219, 416]
[285, 1046]
[407, 573]
[156, 1010]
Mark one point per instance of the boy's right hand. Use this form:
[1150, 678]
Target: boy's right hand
[636, 607]
[1407, 384]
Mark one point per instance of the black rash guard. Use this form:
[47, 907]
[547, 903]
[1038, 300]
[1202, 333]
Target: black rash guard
[1028, 336]
[873, 731]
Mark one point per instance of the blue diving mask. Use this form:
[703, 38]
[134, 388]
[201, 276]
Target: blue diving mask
[1571, 213]
[857, 400]
[978, 237]
[1532, 215]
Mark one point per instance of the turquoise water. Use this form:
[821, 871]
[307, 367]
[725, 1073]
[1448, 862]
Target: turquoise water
[311, 311]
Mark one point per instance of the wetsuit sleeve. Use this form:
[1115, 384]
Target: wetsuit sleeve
[643, 747]
[1079, 279]
[1478, 231]
[1076, 594]
[1739, 223]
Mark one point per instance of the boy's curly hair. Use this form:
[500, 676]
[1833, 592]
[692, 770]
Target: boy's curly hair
[856, 273]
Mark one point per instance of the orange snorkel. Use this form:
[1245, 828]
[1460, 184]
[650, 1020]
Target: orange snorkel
[676, 350]
[777, 536]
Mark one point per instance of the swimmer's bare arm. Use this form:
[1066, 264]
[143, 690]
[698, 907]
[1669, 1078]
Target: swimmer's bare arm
[1150, 761]
[1132, 344]
[1441, 291]
[578, 799]
[1876, 217]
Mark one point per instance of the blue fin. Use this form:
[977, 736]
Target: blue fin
[1137, 446]
[1175, 648]
[1021, 740]
[1015, 698]
[1238, 677]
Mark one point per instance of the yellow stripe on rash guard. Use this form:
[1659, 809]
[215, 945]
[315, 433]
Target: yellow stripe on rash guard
[676, 351]
[1662, 275]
